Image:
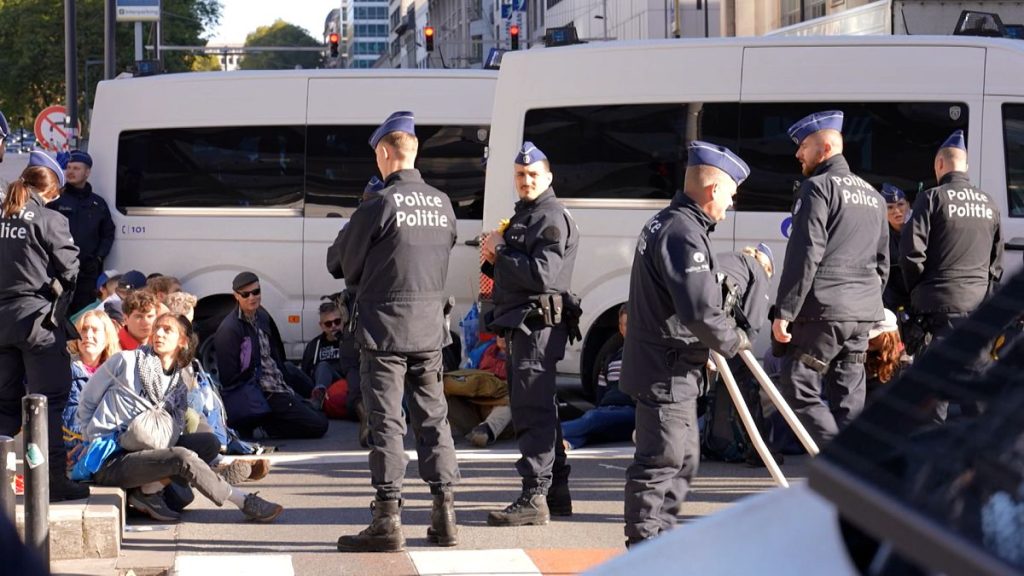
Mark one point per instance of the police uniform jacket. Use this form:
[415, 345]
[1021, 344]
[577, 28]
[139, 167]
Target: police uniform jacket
[752, 282]
[395, 249]
[675, 301]
[35, 248]
[91, 224]
[539, 255]
[952, 247]
[837, 259]
[896, 295]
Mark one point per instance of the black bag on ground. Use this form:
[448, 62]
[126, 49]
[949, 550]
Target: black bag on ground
[723, 436]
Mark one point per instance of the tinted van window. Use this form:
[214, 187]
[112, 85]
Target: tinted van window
[1013, 142]
[211, 167]
[451, 158]
[625, 152]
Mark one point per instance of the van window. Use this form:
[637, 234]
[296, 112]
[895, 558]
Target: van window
[1013, 142]
[883, 142]
[211, 167]
[450, 158]
[625, 152]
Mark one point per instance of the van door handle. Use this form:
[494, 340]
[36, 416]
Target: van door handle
[475, 242]
[1016, 244]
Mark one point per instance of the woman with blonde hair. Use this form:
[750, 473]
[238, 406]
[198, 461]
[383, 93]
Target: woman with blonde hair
[97, 343]
[39, 263]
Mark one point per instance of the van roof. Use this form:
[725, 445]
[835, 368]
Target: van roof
[390, 73]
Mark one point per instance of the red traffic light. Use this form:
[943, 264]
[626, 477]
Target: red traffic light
[513, 34]
[332, 38]
[428, 36]
[428, 31]
[514, 30]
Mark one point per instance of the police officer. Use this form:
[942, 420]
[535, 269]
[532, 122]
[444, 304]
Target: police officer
[395, 249]
[952, 250]
[896, 297]
[91, 225]
[676, 316]
[745, 277]
[39, 262]
[830, 292]
[531, 262]
[5, 132]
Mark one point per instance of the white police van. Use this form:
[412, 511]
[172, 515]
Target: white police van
[615, 119]
[211, 174]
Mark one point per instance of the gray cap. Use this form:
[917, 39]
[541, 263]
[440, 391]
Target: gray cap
[243, 279]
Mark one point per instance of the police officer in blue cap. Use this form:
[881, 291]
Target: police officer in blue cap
[952, 251]
[830, 292]
[395, 251]
[91, 225]
[531, 262]
[896, 297]
[675, 316]
[40, 263]
[5, 132]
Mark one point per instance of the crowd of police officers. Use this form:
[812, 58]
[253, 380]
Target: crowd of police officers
[393, 255]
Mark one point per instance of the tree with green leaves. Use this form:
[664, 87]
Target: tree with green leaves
[32, 48]
[280, 33]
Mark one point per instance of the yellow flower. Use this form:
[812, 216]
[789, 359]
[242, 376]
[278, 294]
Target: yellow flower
[502, 225]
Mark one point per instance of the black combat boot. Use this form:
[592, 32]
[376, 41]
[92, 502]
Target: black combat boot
[527, 509]
[559, 498]
[384, 534]
[443, 531]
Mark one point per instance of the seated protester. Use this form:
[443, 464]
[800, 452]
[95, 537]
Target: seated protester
[128, 282]
[162, 286]
[614, 417]
[140, 308]
[478, 403]
[97, 344]
[885, 357]
[124, 389]
[206, 409]
[332, 356]
[251, 361]
[106, 284]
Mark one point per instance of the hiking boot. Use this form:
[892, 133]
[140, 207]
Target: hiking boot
[62, 489]
[260, 469]
[384, 534]
[443, 531]
[152, 505]
[236, 472]
[559, 499]
[527, 509]
[257, 509]
[480, 436]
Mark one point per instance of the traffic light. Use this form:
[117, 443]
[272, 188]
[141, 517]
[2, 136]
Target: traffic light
[428, 37]
[513, 35]
[332, 39]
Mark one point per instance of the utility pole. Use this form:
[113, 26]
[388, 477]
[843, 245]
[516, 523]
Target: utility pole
[70, 72]
[109, 36]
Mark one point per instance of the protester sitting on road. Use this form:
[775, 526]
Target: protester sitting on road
[181, 304]
[478, 403]
[140, 308]
[106, 284]
[332, 356]
[97, 344]
[885, 357]
[257, 384]
[129, 282]
[614, 417]
[163, 286]
[122, 390]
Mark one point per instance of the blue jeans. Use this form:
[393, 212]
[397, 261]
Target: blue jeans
[601, 424]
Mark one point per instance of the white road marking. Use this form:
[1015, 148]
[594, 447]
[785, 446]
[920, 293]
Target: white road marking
[234, 565]
[474, 562]
[359, 456]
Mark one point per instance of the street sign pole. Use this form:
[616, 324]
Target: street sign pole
[70, 72]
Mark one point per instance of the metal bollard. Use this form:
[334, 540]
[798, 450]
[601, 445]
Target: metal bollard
[7, 472]
[37, 475]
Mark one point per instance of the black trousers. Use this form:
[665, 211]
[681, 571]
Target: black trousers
[940, 324]
[825, 402]
[34, 360]
[289, 417]
[532, 398]
[85, 286]
[667, 440]
[387, 377]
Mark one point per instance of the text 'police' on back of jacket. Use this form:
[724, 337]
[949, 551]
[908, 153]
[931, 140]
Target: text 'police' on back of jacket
[539, 255]
[395, 250]
[837, 258]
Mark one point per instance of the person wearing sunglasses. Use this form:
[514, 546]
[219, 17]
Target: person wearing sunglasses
[251, 362]
[331, 355]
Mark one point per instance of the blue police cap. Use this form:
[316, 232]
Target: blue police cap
[403, 121]
[40, 158]
[892, 193]
[529, 153]
[5, 129]
[705, 153]
[955, 140]
[764, 249]
[827, 120]
[104, 277]
[80, 156]
[373, 186]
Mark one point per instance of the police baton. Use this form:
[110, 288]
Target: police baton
[748, 420]
[780, 402]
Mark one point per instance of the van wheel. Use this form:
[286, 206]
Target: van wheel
[594, 348]
[207, 356]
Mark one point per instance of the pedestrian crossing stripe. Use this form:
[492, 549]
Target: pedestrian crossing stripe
[463, 455]
[233, 565]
